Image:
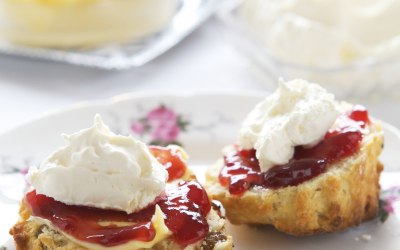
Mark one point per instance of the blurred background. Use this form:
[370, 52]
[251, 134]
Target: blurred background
[56, 53]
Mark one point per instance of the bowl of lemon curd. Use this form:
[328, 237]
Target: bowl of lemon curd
[82, 23]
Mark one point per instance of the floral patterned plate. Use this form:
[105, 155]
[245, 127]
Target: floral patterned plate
[203, 124]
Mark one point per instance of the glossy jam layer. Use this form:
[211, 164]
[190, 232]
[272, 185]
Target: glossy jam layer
[171, 160]
[242, 170]
[185, 206]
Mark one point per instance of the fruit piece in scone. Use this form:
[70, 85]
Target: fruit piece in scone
[100, 198]
[310, 184]
[174, 159]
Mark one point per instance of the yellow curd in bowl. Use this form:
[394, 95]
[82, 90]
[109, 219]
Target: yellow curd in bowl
[82, 23]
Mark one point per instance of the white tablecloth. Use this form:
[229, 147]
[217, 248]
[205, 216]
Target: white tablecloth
[203, 62]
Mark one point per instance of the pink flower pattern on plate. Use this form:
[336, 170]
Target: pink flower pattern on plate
[137, 128]
[163, 125]
[387, 201]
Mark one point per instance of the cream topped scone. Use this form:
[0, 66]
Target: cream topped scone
[111, 192]
[296, 114]
[128, 175]
[303, 163]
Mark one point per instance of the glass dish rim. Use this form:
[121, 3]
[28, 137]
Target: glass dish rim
[227, 16]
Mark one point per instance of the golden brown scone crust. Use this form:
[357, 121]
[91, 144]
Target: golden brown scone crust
[346, 195]
[34, 235]
[31, 234]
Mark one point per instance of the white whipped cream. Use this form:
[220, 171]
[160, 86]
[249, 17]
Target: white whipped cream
[100, 169]
[327, 33]
[297, 113]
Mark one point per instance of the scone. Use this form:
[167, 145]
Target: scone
[282, 173]
[37, 235]
[82, 23]
[106, 191]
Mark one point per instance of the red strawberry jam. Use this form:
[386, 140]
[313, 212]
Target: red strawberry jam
[185, 206]
[242, 170]
[171, 160]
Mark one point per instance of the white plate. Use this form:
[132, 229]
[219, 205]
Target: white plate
[210, 121]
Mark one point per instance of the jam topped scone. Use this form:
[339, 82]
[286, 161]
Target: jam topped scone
[107, 191]
[304, 163]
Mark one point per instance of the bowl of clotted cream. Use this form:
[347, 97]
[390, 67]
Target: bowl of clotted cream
[351, 47]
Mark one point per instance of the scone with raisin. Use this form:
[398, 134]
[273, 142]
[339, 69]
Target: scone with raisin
[111, 192]
[304, 163]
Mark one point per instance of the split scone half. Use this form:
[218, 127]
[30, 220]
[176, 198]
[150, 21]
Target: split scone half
[111, 192]
[312, 193]
[33, 234]
[346, 195]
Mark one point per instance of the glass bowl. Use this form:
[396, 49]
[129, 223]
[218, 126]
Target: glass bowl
[189, 15]
[362, 78]
[82, 23]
